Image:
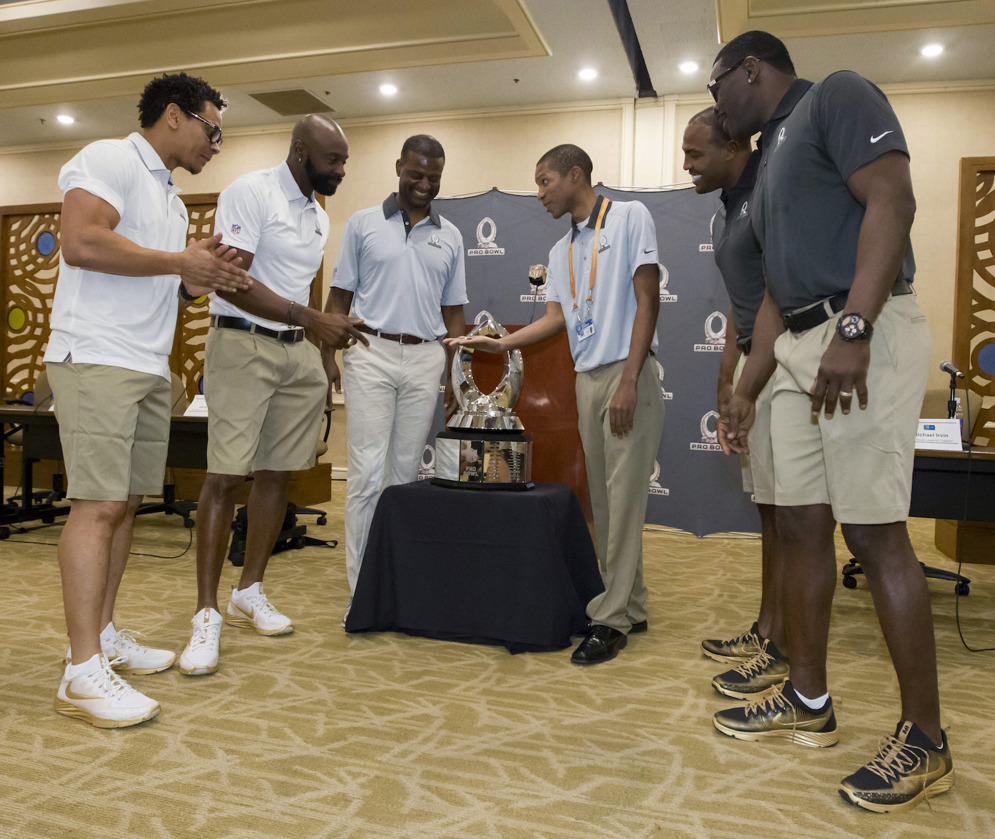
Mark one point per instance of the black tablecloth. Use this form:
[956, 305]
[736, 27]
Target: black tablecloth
[496, 567]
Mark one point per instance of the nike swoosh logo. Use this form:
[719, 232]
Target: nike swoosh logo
[647, 250]
[886, 133]
[71, 694]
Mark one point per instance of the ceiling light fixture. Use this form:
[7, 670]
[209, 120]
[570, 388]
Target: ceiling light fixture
[388, 89]
[588, 74]
[688, 67]
[932, 50]
[65, 119]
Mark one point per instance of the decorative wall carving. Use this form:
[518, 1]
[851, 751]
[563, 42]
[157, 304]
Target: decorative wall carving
[974, 319]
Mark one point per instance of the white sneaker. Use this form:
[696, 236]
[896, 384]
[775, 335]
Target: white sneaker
[127, 656]
[94, 693]
[201, 655]
[251, 609]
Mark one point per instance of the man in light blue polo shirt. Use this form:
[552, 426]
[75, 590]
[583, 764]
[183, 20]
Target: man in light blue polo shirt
[400, 269]
[603, 287]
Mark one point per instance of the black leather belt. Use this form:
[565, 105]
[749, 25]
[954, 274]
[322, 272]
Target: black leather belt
[401, 338]
[818, 313]
[286, 336]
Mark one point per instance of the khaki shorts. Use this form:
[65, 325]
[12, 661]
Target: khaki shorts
[860, 463]
[758, 466]
[264, 403]
[114, 428]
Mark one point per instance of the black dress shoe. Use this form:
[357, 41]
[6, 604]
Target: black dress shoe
[638, 626]
[601, 644]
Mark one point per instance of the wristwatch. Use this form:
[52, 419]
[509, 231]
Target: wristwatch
[186, 295]
[853, 327]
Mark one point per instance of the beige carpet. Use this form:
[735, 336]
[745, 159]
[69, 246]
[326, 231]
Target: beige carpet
[320, 734]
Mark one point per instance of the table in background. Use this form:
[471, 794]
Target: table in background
[954, 485]
[487, 566]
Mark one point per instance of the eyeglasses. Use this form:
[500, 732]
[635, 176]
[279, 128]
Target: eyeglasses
[713, 85]
[215, 135]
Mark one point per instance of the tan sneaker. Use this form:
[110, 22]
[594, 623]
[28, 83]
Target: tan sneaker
[766, 669]
[780, 714]
[907, 769]
[746, 646]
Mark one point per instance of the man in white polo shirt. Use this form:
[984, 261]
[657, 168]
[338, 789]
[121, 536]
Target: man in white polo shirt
[121, 266]
[603, 287]
[265, 384]
[400, 268]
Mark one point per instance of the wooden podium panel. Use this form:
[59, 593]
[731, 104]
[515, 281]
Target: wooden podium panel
[548, 408]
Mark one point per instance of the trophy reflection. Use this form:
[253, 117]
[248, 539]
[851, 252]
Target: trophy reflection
[483, 446]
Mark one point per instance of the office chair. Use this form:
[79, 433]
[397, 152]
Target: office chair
[41, 399]
[934, 405]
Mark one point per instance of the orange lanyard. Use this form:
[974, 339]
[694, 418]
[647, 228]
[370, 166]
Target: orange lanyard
[594, 258]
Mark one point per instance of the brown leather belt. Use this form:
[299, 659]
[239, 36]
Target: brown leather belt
[389, 336]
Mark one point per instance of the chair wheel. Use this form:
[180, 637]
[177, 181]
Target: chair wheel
[322, 520]
[849, 582]
[188, 523]
[237, 559]
[962, 589]
[297, 542]
[4, 532]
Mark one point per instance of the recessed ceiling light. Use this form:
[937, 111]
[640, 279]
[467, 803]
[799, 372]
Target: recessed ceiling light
[932, 50]
[65, 119]
[688, 67]
[388, 89]
[588, 74]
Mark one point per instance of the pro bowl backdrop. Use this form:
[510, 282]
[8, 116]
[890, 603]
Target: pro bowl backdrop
[694, 487]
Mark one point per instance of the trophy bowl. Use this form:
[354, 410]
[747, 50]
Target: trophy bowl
[484, 447]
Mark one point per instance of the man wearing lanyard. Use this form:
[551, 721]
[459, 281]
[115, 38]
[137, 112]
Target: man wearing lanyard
[121, 267]
[400, 269]
[833, 208]
[264, 383]
[603, 287]
[717, 161]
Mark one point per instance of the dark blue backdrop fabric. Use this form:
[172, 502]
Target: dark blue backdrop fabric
[694, 486]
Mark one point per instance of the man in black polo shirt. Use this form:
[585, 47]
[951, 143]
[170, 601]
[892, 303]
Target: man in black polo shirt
[717, 161]
[832, 210]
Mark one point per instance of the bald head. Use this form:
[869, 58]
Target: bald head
[318, 152]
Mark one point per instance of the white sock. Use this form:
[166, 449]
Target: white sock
[813, 704]
[108, 634]
[89, 666]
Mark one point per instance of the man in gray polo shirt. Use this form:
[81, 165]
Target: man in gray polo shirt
[833, 207]
[717, 161]
[400, 269]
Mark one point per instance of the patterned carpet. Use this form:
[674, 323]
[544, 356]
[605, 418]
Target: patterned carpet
[320, 734]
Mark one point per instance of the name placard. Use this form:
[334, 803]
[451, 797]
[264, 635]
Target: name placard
[939, 434]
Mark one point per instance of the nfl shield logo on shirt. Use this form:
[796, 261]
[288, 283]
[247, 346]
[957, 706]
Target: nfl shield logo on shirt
[236, 228]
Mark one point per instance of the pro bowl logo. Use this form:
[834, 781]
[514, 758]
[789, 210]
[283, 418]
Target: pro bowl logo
[655, 488]
[538, 293]
[426, 467]
[659, 371]
[665, 296]
[486, 234]
[709, 434]
[715, 334]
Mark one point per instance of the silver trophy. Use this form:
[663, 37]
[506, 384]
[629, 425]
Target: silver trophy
[484, 447]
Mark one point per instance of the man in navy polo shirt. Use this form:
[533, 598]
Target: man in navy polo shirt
[603, 288]
[717, 161]
[833, 207]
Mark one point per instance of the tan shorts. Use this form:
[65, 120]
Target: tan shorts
[114, 428]
[860, 463]
[264, 403]
[758, 466]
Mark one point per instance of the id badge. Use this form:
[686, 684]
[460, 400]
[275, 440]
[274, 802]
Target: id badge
[585, 329]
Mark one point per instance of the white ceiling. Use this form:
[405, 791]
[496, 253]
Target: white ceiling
[540, 66]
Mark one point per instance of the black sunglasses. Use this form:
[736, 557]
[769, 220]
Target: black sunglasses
[713, 85]
[215, 135]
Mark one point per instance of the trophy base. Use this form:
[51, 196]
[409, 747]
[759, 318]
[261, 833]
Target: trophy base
[483, 460]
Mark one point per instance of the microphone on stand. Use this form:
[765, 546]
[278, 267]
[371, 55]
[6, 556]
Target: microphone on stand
[947, 367]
